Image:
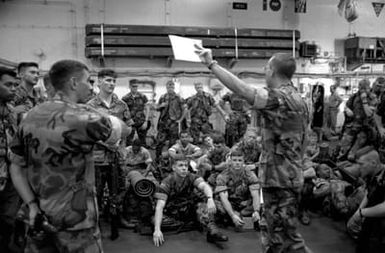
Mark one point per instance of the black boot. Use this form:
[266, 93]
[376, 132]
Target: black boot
[214, 235]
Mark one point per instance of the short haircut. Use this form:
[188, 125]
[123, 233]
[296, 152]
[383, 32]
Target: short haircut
[133, 81]
[183, 132]
[236, 152]
[107, 72]
[198, 83]
[7, 71]
[380, 80]
[178, 159]
[23, 65]
[170, 82]
[62, 71]
[284, 64]
[364, 83]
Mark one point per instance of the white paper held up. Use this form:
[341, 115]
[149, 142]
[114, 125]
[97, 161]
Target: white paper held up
[184, 49]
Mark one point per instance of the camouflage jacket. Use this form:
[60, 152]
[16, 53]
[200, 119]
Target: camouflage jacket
[136, 104]
[54, 146]
[237, 183]
[200, 105]
[174, 108]
[285, 119]
[7, 131]
[118, 109]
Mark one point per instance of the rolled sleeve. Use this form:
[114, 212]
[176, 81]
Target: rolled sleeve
[163, 190]
[261, 97]
[221, 184]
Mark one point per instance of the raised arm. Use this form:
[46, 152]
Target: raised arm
[227, 78]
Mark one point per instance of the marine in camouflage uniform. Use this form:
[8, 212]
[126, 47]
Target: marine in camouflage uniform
[237, 191]
[105, 156]
[137, 104]
[359, 112]
[179, 191]
[172, 110]
[53, 152]
[285, 120]
[200, 106]
[215, 161]
[237, 124]
[251, 147]
[9, 198]
[27, 96]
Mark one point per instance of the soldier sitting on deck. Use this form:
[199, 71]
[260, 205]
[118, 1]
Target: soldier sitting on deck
[238, 192]
[178, 191]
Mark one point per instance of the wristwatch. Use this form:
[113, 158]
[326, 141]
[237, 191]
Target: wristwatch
[211, 64]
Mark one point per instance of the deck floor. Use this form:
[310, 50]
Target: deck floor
[323, 235]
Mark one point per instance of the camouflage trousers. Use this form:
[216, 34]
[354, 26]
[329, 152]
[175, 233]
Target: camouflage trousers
[235, 128]
[199, 126]
[241, 208]
[279, 222]
[168, 130]
[186, 214]
[81, 241]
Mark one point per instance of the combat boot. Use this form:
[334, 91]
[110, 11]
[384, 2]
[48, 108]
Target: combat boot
[214, 235]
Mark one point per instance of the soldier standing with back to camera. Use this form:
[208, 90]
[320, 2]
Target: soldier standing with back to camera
[52, 164]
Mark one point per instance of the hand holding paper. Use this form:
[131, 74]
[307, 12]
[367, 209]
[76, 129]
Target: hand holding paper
[184, 48]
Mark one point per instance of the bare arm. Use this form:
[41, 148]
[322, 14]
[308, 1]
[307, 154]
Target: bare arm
[158, 235]
[203, 186]
[377, 211]
[22, 186]
[224, 196]
[255, 196]
[231, 81]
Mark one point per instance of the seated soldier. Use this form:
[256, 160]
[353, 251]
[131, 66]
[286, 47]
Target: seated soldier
[207, 144]
[238, 192]
[137, 211]
[138, 158]
[178, 191]
[250, 146]
[183, 148]
[371, 212]
[210, 165]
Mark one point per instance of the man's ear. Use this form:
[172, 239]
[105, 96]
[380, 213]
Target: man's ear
[73, 84]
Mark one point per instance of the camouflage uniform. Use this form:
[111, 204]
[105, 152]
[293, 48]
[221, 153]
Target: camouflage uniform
[215, 157]
[200, 110]
[251, 151]
[358, 122]
[54, 146]
[23, 102]
[284, 115]
[168, 129]
[183, 201]
[237, 125]
[238, 185]
[136, 104]
[136, 206]
[105, 160]
[9, 198]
